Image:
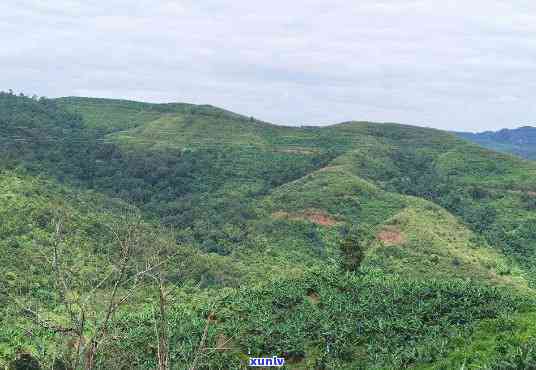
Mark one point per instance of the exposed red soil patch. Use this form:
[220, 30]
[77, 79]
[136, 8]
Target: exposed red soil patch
[391, 236]
[320, 219]
[314, 216]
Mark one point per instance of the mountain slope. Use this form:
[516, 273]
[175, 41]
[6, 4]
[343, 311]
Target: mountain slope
[259, 219]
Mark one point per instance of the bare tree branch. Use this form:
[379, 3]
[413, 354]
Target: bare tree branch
[201, 347]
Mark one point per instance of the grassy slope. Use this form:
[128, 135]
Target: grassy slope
[433, 243]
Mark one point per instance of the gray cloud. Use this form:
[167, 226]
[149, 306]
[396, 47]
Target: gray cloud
[451, 64]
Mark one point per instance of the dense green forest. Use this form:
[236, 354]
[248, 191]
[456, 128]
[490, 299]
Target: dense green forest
[178, 236]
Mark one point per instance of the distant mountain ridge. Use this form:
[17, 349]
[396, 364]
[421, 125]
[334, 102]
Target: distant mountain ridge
[520, 141]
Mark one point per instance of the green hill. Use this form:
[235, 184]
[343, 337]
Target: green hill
[357, 245]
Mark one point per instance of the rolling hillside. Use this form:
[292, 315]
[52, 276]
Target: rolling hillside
[357, 245]
[520, 141]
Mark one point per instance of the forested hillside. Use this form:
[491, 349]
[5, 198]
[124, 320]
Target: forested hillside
[137, 235]
[520, 141]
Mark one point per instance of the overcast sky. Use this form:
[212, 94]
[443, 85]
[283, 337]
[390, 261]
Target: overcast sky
[458, 65]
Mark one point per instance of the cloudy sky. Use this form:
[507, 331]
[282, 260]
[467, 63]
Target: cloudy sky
[451, 64]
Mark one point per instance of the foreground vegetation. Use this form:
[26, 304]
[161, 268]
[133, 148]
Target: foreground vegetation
[178, 236]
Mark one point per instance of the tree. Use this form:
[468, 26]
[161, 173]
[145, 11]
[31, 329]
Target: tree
[352, 247]
[89, 309]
